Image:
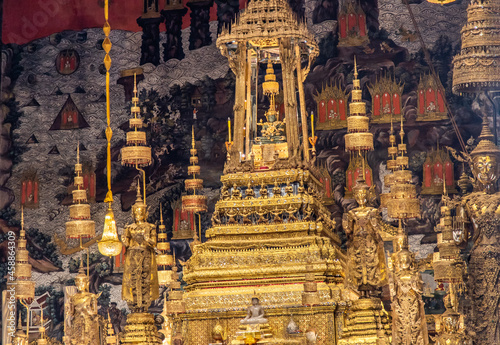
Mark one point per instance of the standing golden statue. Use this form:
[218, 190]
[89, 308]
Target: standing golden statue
[140, 277]
[408, 315]
[366, 267]
[483, 207]
[82, 317]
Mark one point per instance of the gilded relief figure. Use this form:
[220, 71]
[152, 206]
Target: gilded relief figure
[83, 320]
[366, 267]
[140, 277]
[406, 286]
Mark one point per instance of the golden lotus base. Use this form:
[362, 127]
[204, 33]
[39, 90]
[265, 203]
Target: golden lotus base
[140, 330]
[199, 326]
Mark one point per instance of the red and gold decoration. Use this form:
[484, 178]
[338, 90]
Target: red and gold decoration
[438, 170]
[184, 222]
[332, 108]
[67, 61]
[352, 25]
[431, 104]
[386, 99]
[69, 117]
[30, 189]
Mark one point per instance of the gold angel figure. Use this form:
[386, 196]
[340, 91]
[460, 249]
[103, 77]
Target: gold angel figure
[366, 266]
[140, 277]
[82, 317]
[408, 315]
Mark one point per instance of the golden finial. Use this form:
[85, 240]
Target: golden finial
[22, 218]
[135, 84]
[161, 215]
[78, 152]
[402, 132]
[192, 137]
[355, 68]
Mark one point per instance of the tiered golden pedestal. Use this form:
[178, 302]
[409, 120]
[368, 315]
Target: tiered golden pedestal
[140, 330]
[368, 324]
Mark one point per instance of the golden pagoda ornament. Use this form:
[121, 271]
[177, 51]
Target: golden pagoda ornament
[358, 139]
[401, 202]
[80, 226]
[136, 153]
[477, 67]
[194, 202]
[175, 304]
[270, 219]
[25, 287]
[163, 259]
[447, 262]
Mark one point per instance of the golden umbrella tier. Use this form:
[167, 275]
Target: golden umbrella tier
[194, 203]
[477, 67]
[136, 155]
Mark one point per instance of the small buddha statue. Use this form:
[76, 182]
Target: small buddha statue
[263, 191]
[276, 190]
[224, 193]
[255, 314]
[288, 189]
[235, 194]
[249, 192]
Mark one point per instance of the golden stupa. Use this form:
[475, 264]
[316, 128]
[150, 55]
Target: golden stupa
[270, 232]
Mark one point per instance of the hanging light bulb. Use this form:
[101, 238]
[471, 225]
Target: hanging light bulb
[110, 244]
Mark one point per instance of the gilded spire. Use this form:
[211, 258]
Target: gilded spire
[25, 287]
[80, 225]
[136, 153]
[194, 202]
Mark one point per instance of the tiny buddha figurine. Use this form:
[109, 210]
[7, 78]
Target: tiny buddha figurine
[83, 320]
[366, 268]
[255, 313]
[140, 277]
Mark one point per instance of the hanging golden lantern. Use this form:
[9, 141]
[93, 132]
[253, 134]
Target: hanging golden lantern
[441, 2]
[110, 244]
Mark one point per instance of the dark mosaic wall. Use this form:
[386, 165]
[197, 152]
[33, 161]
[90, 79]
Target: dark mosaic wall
[36, 83]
